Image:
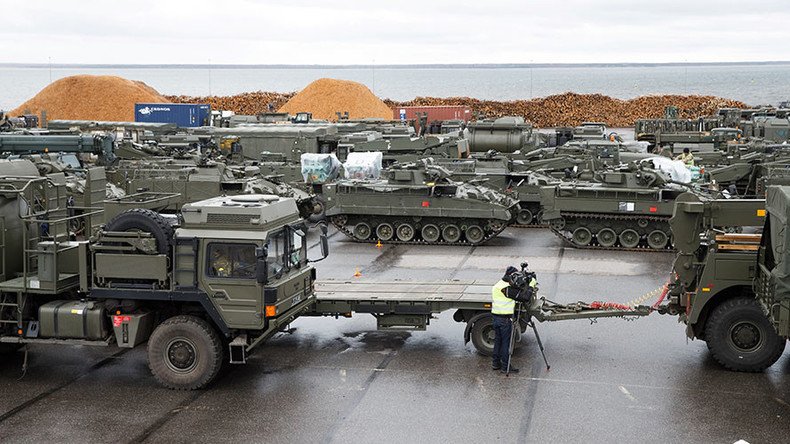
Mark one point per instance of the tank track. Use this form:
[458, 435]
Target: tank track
[567, 236]
[492, 229]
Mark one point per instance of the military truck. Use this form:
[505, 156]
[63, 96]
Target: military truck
[202, 288]
[730, 289]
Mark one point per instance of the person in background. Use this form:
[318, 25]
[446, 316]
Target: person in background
[687, 158]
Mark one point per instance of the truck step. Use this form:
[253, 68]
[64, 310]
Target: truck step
[238, 350]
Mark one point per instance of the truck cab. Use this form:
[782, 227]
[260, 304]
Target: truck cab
[721, 260]
[203, 287]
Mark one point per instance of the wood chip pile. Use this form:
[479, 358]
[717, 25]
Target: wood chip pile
[90, 97]
[325, 97]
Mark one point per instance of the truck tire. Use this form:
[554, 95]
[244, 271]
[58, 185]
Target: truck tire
[185, 353]
[482, 334]
[741, 338]
[148, 221]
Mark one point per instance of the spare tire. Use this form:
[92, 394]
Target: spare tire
[140, 219]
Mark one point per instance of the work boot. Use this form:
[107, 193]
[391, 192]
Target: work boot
[496, 367]
[505, 370]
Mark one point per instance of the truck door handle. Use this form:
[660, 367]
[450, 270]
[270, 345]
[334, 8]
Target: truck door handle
[220, 294]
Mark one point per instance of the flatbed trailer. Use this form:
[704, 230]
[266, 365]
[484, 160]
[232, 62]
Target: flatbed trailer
[410, 305]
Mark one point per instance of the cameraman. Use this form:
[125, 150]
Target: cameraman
[503, 306]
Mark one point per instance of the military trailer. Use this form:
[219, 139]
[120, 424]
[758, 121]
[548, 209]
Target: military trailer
[730, 289]
[202, 288]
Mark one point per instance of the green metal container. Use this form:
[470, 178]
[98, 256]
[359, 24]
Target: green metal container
[73, 320]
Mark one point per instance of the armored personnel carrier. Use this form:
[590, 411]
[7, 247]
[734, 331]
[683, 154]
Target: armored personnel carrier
[626, 208]
[418, 203]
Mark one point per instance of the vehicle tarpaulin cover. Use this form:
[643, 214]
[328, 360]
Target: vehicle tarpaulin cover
[778, 206]
[363, 165]
[320, 168]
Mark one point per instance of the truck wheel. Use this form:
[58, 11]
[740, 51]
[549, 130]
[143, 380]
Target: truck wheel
[483, 335]
[140, 219]
[741, 338]
[185, 353]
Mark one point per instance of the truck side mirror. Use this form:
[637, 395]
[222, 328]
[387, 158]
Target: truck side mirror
[324, 244]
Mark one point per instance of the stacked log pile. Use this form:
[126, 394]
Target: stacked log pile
[571, 109]
[567, 109]
[250, 103]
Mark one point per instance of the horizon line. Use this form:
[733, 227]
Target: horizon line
[390, 66]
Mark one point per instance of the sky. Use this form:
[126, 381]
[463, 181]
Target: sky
[394, 32]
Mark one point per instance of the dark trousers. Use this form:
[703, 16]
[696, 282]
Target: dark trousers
[503, 327]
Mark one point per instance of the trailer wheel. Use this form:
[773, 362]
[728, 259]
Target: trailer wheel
[185, 353]
[141, 219]
[741, 338]
[482, 334]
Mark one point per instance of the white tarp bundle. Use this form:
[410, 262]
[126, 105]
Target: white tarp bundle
[365, 165]
[320, 168]
[675, 169]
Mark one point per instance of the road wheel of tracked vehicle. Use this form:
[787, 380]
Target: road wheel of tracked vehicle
[657, 240]
[147, 221]
[557, 224]
[539, 217]
[582, 236]
[340, 220]
[385, 231]
[318, 209]
[629, 238]
[185, 353]
[451, 233]
[524, 217]
[740, 337]
[482, 335]
[606, 237]
[362, 231]
[430, 233]
[474, 234]
[405, 232]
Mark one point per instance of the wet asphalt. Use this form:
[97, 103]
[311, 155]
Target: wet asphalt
[339, 380]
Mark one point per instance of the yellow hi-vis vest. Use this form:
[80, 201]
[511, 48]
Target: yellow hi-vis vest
[501, 304]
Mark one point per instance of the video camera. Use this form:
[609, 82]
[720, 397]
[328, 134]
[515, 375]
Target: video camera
[521, 279]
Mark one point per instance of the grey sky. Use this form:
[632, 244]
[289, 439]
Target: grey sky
[394, 32]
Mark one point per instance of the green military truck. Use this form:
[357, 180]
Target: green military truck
[202, 288]
[731, 288]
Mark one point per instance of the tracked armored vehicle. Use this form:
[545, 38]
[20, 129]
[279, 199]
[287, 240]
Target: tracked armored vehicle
[418, 203]
[624, 209]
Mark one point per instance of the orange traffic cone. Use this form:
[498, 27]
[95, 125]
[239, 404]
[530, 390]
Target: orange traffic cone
[379, 244]
[357, 273]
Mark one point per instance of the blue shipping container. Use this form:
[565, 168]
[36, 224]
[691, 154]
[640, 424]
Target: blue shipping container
[182, 114]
